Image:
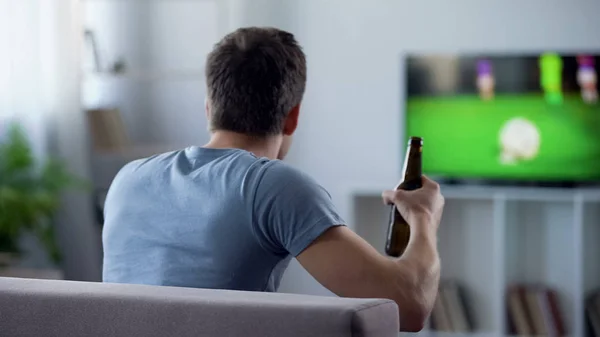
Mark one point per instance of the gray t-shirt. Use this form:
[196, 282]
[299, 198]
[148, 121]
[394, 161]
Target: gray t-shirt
[210, 218]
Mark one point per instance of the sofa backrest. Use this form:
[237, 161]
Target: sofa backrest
[65, 308]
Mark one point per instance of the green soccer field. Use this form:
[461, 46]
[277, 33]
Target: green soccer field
[461, 136]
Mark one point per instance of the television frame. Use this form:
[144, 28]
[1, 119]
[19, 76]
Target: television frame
[485, 181]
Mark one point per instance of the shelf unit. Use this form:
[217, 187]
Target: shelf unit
[160, 92]
[493, 237]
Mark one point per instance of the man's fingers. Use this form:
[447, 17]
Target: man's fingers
[387, 197]
[390, 197]
[428, 183]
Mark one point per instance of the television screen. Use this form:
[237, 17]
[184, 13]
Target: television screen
[518, 119]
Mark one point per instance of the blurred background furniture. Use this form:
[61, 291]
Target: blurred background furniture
[32, 273]
[495, 239]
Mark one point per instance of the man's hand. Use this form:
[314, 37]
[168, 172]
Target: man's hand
[415, 206]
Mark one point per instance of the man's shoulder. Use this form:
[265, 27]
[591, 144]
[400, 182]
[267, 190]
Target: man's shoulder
[277, 178]
[132, 166]
[138, 168]
[283, 173]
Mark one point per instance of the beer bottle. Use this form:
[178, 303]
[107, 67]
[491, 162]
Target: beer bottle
[398, 229]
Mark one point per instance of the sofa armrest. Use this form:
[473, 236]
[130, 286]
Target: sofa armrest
[65, 308]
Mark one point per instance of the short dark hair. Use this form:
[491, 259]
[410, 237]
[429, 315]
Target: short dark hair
[254, 77]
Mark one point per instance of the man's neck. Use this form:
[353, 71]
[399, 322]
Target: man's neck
[260, 147]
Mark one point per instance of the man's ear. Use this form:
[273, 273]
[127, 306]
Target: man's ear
[207, 108]
[291, 121]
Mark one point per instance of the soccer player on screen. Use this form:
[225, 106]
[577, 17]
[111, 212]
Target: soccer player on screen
[587, 79]
[551, 66]
[485, 79]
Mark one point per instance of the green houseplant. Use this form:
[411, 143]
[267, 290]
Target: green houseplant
[30, 193]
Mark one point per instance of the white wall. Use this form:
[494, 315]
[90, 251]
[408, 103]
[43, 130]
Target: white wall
[351, 124]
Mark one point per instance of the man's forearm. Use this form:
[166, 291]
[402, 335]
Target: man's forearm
[419, 270]
[422, 251]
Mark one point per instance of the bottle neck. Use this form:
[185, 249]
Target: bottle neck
[413, 165]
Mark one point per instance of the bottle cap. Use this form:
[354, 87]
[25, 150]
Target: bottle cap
[416, 141]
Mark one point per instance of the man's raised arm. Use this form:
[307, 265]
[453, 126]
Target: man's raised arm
[348, 266]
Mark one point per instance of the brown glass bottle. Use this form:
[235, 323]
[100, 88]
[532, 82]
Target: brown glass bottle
[398, 229]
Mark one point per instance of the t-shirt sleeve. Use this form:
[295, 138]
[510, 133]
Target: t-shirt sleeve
[290, 209]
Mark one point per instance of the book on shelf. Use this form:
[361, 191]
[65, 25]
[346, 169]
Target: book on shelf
[592, 313]
[450, 312]
[107, 130]
[534, 310]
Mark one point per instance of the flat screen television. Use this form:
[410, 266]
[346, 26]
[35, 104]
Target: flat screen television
[507, 119]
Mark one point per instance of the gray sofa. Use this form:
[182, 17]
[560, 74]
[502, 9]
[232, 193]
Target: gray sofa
[84, 309]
